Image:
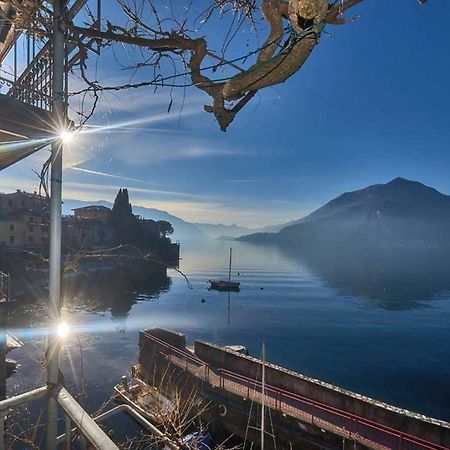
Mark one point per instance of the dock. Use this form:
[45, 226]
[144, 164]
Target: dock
[303, 410]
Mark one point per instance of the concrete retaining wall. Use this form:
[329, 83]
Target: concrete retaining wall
[173, 338]
[150, 352]
[429, 429]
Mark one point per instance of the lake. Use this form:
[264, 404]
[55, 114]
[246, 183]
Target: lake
[375, 327]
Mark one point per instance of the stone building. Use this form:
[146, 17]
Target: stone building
[92, 212]
[24, 220]
[88, 228]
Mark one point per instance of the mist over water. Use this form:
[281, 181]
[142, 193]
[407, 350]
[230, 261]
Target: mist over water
[375, 323]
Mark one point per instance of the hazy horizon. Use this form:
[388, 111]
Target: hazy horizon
[268, 223]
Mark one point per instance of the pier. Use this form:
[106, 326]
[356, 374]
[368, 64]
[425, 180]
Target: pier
[303, 410]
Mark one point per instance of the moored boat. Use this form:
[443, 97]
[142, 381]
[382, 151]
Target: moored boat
[225, 285]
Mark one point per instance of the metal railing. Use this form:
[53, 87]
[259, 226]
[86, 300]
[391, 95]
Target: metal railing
[88, 429]
[352, 425]
[34, 85]
[335, 420]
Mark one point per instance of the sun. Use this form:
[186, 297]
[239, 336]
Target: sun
[62, 330]
[65, 136]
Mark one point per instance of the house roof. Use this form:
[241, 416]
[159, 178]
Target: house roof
[92, 208]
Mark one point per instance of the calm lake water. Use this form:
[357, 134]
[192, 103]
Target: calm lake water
[378, 328]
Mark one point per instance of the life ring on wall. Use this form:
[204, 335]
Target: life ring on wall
[222, 410]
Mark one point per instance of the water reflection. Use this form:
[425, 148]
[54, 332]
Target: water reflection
[113, 291]
[116, 292]
[295, 301]
[397, 279]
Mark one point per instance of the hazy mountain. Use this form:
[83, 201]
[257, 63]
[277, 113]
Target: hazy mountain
[216, 231]
[183, 230]
[278, 227]
[399, 213]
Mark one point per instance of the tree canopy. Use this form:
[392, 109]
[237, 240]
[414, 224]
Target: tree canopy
[165, 228]
[126, 228]
[130, 230]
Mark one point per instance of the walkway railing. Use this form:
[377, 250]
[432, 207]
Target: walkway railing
[335, 420]
[350, 425]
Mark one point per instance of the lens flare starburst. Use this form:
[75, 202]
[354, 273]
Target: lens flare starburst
[62, 330]
[66, 136]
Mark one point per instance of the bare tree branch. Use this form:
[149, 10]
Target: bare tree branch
[167, 39]
[335, 13]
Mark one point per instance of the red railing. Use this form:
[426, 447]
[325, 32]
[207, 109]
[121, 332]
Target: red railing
[184, 354]
[285, 401]
[341, 422]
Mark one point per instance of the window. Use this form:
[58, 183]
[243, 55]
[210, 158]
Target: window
[11, 227]
[11, 239]
[31, 239]
[31, 228]
[10, 202]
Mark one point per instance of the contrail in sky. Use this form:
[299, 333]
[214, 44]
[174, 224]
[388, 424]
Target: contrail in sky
[144, 190]
[110, 175]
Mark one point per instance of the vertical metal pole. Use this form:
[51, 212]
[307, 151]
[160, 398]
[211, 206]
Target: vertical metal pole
[229, 266]
[83, 443]
[99, 14]
[3, 345]
[229, 308]
[2, 430]
[263, 398]
[68, 436]
[54, 306]
[15, 61]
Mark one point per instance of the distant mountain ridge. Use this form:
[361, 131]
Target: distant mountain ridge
[401, 212]
[278, 227]
[215, 231]
[183, 230]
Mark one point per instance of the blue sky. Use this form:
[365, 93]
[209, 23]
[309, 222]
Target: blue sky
[371, 103]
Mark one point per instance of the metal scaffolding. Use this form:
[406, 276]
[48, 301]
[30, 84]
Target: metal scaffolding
[53, 73]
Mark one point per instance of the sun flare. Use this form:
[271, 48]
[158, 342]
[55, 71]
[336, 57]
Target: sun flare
[62, 330]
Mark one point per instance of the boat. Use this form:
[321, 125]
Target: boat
[147, 402]
[197, 440]
[225, 285]
[144, 399]
[222, 285]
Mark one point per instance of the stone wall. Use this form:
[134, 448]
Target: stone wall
[153, 366]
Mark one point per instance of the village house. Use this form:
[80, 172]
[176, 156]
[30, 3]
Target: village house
[24, 224]
[90, 212]
[88, 227]
[23, 220]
